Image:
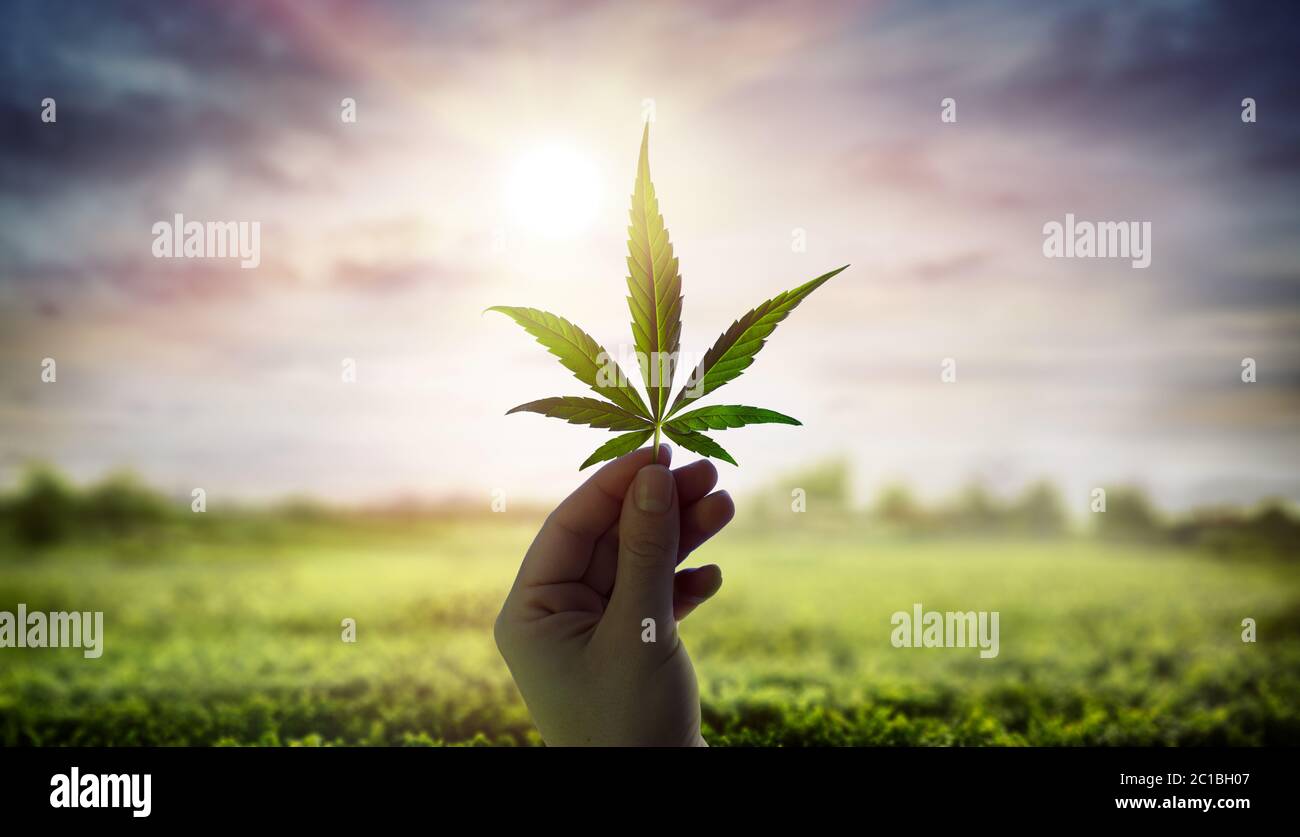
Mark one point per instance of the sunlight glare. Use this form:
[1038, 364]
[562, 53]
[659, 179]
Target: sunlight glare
[554, 191]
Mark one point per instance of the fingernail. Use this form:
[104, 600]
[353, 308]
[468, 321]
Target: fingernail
[654, 489]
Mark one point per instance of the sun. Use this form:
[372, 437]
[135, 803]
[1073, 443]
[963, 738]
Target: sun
[554, 191]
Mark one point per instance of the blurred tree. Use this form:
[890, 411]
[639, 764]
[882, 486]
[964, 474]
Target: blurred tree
[1128, 516]
[1039, 511]
[822, 490]
[897, 507]
[44, 510]
[1277, 529]
[976, 510]
[121, 504]
[1270, 532]
[827, 483]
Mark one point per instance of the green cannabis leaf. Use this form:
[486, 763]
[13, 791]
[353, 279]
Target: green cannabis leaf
[654, 286]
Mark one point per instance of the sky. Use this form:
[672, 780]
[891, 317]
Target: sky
[491, 162]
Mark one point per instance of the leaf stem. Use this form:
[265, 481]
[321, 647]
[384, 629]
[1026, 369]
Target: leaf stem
[656, 441]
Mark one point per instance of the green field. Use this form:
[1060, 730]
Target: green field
[237, 641]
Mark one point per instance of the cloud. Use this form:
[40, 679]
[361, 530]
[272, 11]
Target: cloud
[378, 237]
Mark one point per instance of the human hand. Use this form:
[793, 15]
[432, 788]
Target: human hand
[571, 629]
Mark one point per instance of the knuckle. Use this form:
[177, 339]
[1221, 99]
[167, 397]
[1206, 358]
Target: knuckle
[503, 633]
[648, 548]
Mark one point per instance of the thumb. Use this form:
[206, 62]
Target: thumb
[648, 532]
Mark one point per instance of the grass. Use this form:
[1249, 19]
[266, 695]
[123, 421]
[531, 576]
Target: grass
[237, 641]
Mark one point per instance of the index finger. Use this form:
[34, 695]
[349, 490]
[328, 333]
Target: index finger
[562, 549]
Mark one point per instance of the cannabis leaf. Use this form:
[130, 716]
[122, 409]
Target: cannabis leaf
[699, 443]
[655, 299]
[591, 411]
[582, 355]
[720, 418]
[654, 285]
[618, 446]
[734, 351]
